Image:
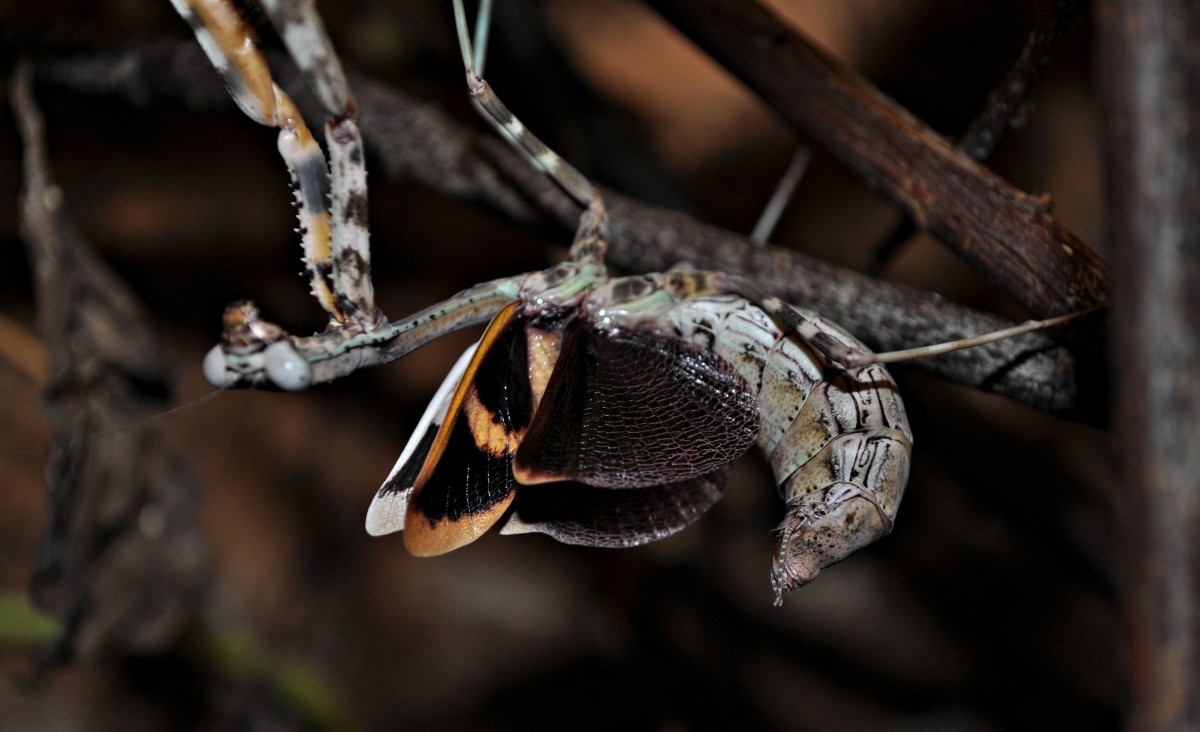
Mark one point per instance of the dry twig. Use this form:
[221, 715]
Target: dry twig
[122, 561]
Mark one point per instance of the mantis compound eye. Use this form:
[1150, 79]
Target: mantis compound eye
[214, 368]
[285, 368]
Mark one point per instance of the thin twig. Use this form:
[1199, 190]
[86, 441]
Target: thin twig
[1007, 104]
[782, 195]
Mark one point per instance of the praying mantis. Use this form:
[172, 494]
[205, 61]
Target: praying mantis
[599, 411]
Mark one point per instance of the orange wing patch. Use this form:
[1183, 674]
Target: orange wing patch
[480, 447]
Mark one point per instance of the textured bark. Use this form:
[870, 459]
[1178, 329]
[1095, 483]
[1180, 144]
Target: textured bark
[1008, 235]
[1151, 55]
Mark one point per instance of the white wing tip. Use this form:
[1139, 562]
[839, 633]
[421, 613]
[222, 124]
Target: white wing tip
[386, 514]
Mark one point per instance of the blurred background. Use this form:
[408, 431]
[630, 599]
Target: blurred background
[990, 607]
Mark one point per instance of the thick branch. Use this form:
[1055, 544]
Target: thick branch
[885, 315]
[417, 142]
[1007, 234]
[1151, 55]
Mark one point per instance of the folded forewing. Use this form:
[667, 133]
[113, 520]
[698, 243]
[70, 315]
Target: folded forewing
[466, 483]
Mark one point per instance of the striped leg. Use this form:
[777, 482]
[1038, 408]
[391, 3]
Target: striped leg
[232, 47]
[782, 196]
[304, 35]
[542, 157]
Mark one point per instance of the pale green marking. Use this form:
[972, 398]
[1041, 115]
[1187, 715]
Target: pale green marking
[588, 277]
[651, 305]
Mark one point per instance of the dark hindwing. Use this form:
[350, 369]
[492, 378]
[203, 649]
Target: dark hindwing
[633, 409]
[574, 513]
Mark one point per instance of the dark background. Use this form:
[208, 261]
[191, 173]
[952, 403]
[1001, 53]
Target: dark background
[991, 606]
